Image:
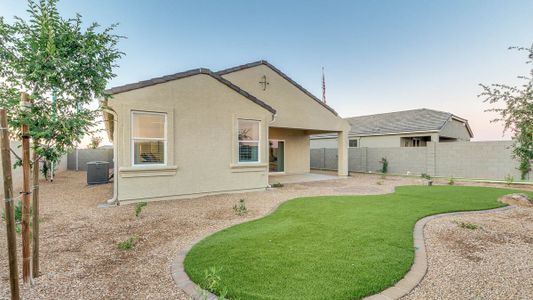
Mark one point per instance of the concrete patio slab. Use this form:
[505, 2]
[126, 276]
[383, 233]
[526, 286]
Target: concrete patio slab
[299, 178]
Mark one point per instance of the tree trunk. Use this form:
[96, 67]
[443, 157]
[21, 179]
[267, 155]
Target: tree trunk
[9, 209]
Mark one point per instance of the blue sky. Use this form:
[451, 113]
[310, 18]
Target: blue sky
[379, 56]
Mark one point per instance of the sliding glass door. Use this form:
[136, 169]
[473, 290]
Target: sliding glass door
[276, 156]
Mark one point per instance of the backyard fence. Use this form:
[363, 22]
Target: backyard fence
[77, 160]
[477, 160]
[17, 172]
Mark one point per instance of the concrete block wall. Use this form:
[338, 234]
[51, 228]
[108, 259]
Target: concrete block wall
[477, 160]
[17, 172]
[317, 158]
[357, 160]
[401, 160]
[491, 160]
[84, 156]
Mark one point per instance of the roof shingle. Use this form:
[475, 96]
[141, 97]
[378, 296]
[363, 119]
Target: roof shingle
[416, 120]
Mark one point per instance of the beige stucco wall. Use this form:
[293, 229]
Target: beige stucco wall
[296, 149]
[295, 109]
[455, 129]
[202, 140]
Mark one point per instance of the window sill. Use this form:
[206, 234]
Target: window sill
[248, 167]
[147, 171]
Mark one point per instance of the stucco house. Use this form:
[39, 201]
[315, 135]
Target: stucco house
[201, 132]
[408, 128]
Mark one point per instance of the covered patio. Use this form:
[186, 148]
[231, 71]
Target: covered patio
[289, 151]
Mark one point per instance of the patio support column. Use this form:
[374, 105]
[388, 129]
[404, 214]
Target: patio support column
[342, 153]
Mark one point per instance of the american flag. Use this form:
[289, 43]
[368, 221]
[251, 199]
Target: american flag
[323, 86]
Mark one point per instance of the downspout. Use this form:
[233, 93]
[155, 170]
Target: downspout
[273, 118]
[274, 115]
[114, 199]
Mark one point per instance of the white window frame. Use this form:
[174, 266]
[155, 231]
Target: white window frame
[253, 141]
[133, 138]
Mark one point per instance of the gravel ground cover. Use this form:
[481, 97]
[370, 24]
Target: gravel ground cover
[492, 261]
[79, 254]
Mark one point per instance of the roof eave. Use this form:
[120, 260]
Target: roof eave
[176, 76]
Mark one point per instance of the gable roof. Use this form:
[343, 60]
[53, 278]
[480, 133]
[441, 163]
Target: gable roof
[266, 63]
[416, 120]
[167, 78]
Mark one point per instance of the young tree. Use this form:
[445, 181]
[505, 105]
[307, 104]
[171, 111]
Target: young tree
[63, 67]
[95, 142]
[516, 113]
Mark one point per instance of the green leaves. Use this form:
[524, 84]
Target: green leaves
[517, 112]
[62, 66]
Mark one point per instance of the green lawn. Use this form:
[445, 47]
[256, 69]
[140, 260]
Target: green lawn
[334, 247]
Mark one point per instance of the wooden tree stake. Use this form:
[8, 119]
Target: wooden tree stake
[9, 207]
[35, 203]
[26, 191]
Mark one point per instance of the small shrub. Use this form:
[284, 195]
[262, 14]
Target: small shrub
[384, 165]
[18, 212]
[425, 176]
[277, 185]
[240, 209]
[466, 225]
[18, 218]
[451, 181]
[379, 183]
[127, 244]
[509, 179]
[213, 282]
[138, 208]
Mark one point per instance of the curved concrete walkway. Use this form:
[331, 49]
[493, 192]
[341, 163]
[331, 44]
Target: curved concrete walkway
[401, 288]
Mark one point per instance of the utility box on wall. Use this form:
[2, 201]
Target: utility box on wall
[97, 172]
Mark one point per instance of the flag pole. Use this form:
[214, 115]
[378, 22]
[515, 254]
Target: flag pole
[323, 86]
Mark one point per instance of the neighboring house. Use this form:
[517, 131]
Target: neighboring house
[200, 132]
[409, 128]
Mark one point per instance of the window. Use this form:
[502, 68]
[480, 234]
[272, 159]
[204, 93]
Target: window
[248, 137]
[352, 143]
[149, 139]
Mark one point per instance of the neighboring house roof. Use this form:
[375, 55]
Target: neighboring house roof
[407, 121]
[167, 78]
[266, 63]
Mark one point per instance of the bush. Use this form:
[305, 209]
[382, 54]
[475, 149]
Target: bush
[277, 185]
[425, 176]
[18, 217]
[138, 208]
[509, 179]
[127, 244]
[470, 226]
[384, 165]
[240, 209]
[451, 181]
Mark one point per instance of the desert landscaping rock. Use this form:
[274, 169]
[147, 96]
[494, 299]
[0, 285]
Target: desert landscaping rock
[80, 258]
[518, 199]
